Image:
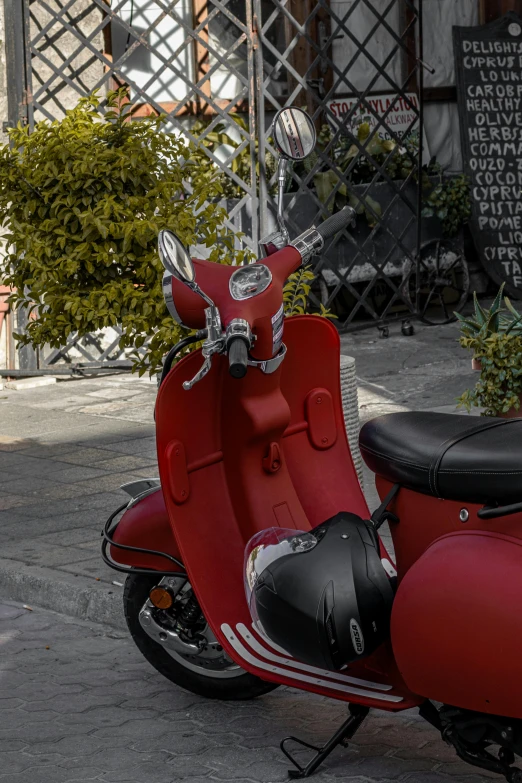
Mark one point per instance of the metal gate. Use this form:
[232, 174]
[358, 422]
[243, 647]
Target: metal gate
[228, 65]
[370, 272]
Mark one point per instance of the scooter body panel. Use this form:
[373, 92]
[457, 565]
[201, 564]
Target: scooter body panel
[424, 518]
[237, 457]
[457, 626]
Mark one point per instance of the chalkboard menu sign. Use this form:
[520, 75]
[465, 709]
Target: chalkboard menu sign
[489, 86]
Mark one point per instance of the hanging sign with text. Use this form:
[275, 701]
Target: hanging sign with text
[488, 61]
[401, 115]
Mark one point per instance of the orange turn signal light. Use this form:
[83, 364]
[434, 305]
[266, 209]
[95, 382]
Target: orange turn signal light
[161, 598]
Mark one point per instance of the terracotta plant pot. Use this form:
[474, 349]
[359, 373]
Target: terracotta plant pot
[476, 364]
[510, 414]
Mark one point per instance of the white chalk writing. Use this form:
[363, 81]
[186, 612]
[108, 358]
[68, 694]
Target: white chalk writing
[490, 93]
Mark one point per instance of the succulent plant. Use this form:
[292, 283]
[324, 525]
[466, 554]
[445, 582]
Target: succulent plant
[494, 320]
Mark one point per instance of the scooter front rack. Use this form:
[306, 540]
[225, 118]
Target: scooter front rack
[107, 533]
[357, 715]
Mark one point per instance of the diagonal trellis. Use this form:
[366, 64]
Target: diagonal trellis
[81, 49]
[314, 77]
[229, 65]
[170, 55]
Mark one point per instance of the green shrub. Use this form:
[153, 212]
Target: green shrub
[296, 295]
[500, 384]
[83, 200]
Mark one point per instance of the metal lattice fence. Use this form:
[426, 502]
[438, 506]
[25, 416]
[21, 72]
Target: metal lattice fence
[366, 272]
[228, 66]
[189, 59]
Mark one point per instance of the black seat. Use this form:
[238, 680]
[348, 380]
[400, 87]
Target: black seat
[477, 460]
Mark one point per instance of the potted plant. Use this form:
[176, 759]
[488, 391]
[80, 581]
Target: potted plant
[482, 324]
[494, 336]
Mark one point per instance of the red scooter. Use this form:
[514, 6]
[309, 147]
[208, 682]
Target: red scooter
[255, 439]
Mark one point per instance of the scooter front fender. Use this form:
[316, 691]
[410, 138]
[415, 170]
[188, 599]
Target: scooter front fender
[145, 524]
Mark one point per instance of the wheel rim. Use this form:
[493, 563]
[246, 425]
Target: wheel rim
[202, 654]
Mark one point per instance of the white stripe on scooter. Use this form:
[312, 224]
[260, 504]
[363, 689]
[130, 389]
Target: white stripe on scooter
[269, 642]
[333, 686]
[304, 667]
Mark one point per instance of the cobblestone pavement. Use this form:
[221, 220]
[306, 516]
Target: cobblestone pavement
[64, 451]
[78, 703]
[427, 371]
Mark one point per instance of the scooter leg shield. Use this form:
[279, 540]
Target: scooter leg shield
[146, 524]
[457, 623]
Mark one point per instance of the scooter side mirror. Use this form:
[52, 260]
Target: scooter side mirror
[294, 137]
[294, 133]
[175, 258]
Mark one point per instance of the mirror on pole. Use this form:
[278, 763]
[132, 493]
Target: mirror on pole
[294, 133]
[174, 257]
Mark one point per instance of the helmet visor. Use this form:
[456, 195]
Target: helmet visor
[265, 548]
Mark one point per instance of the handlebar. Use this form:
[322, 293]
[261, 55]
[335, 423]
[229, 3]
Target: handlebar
[237, 357]
[335, 223]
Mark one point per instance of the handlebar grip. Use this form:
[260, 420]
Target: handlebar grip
[237, 357]
[335, 223]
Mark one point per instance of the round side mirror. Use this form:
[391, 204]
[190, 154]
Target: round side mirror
[175, 258]
[294, 133]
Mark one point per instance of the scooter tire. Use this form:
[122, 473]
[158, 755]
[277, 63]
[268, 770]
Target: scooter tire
[242, 687]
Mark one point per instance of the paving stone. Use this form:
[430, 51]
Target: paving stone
[10, 612]
[31, 383]
[128, 462]
[40, 774]
[109, 482]
[11, 745]
[8, 501]
[85, 456]
[44, 554]
[83, 774]
[75, 537]
[145, 446]
[10, 443]
[459, 769]
[92, 567]
[389, 768]
[71, 475]
[155, 772]
[441, 777]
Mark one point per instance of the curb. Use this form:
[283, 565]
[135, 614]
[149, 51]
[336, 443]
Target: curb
[64, 593]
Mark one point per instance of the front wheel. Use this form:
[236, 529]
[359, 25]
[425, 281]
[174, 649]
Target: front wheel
[186, 651]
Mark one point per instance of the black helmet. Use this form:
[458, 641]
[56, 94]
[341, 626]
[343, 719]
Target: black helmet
[323, 596]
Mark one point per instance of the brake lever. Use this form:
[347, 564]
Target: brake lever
[215, 343]
[207, 364]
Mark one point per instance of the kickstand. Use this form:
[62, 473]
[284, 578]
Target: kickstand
[341, 736]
